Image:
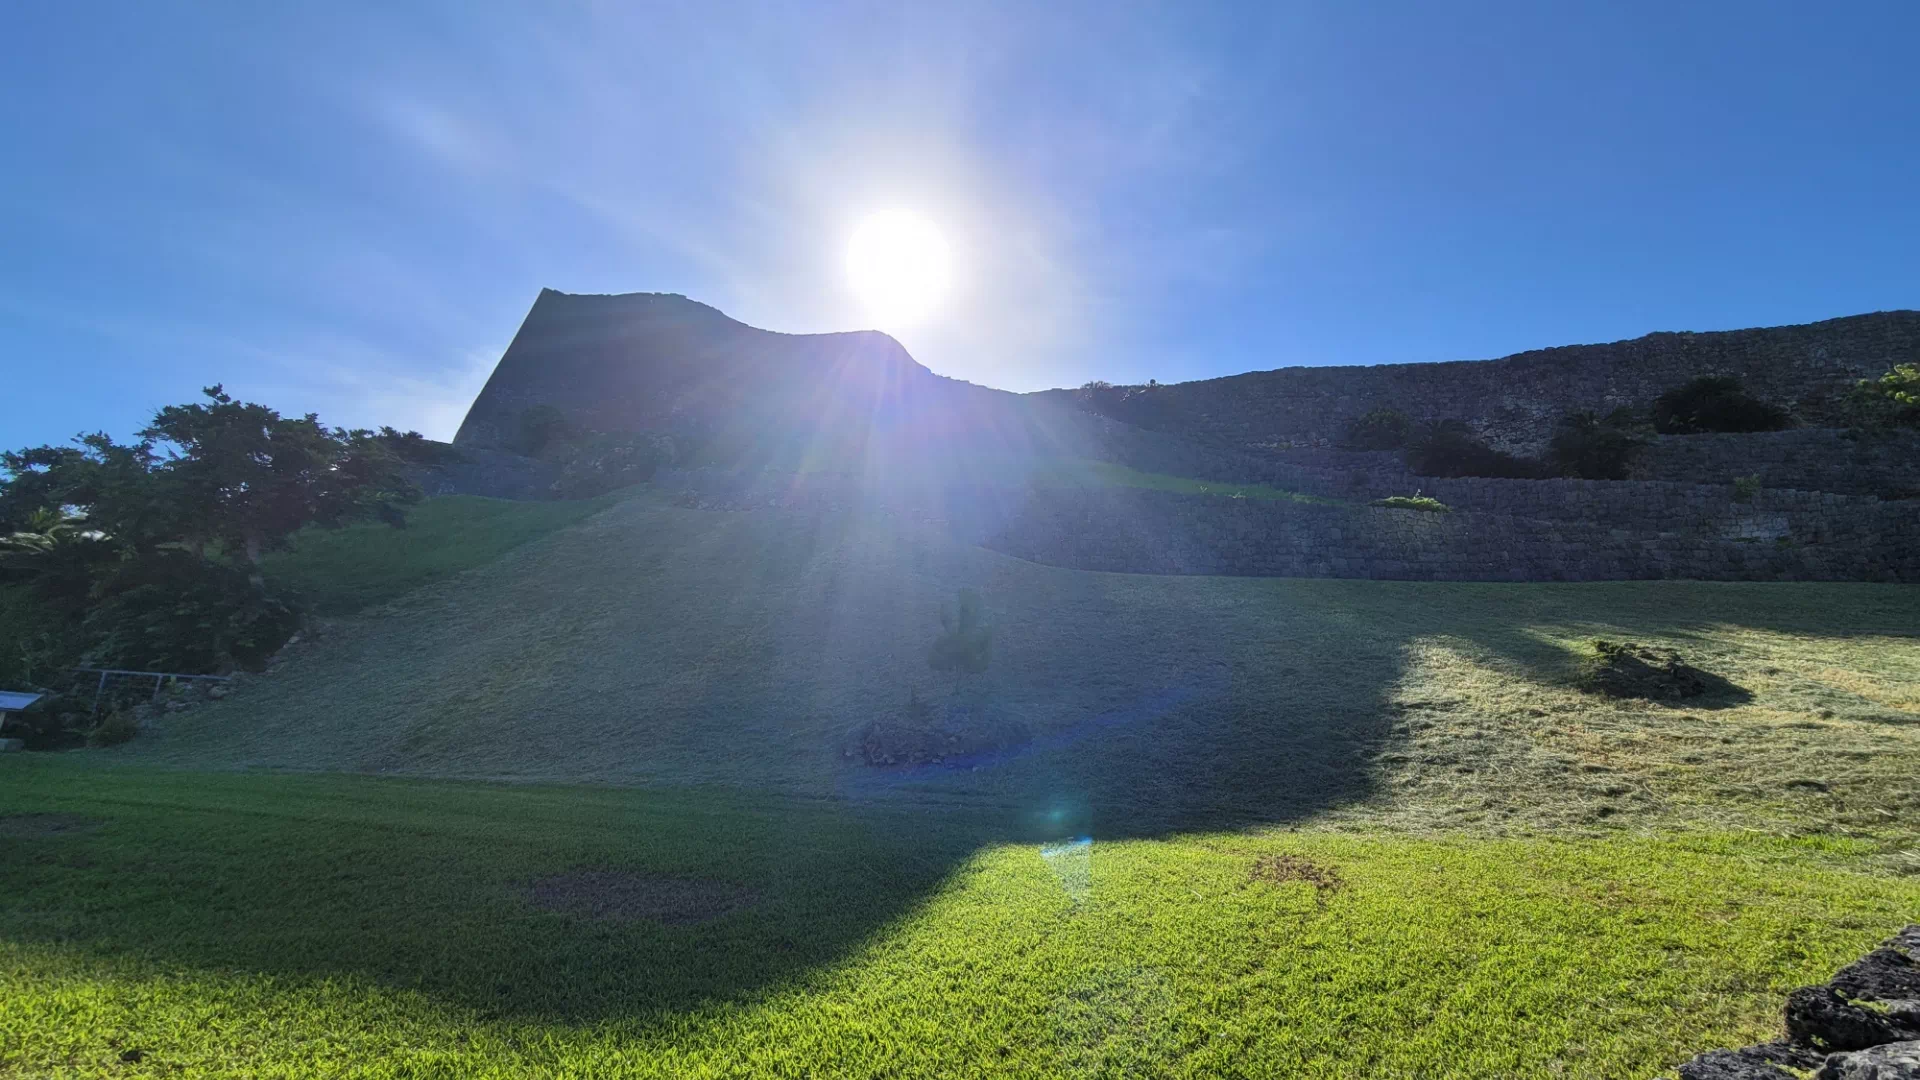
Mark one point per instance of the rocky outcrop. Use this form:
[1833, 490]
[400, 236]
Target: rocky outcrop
[1864, 1024]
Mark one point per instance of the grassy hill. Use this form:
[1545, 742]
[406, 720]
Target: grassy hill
[340, 571]
[653, 644]
[1262, 827]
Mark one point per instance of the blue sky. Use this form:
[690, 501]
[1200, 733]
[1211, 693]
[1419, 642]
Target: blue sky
[346, 208]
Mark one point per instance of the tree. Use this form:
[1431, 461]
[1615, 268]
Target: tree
[1715, 403]
[1450, 448]
[1592, 448]
[249, 478]
[113, 540]
[1378, 429]
[1892, 400]
[965, 644]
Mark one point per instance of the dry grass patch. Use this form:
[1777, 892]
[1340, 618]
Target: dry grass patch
[1282, 869]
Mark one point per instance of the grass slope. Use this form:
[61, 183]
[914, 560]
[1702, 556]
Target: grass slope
[275, 926]
[660, 645]
[1537, 882]
[340, 571]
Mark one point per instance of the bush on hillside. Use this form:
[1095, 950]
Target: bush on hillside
[1892, 400]
[1587, 446]
[1380, 429]
[1449, 448]
[176, 611]
[114, 728]
[1715, 403]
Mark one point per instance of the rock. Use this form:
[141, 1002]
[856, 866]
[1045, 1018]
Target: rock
[1820, 1016]
[1769, 1061]
[8, 746]
[1885, 974]
[1888, 1061]
[217, 692]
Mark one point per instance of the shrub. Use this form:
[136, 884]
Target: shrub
[1449, 448]
[1892, 400]
[1715, 403]
[114, 728]
[1380, 429]
[1414, 502]
[1586, 446]
[1746, 487]
[175, 611]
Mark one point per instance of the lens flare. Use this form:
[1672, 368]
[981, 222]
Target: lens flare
[900, 267]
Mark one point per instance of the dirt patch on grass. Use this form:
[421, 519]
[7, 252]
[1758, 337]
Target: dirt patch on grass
[43, 826]
[1283, 869]
[627, 896]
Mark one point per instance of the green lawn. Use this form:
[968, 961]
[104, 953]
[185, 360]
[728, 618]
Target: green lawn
[340, 571]
[1532, 881]
[236, 925]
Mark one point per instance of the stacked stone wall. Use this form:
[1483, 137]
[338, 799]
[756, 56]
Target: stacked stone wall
[1515, 401]
[1883, 463]
[1138, 531]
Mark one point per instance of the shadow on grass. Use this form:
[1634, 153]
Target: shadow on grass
[422, 885]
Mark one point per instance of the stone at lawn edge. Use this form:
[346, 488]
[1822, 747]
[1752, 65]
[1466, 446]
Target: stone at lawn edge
[1770, 1061]
[1888, 1061]
[1819, 1015]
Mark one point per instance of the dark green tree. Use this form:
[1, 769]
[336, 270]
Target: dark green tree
[1378, 429]
[248, 478]
[1715, 403]
[1591, 447]
[1892, 400]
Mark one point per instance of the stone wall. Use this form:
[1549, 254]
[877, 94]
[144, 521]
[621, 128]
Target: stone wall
[1515, 401]
[1682, 478]
[494, 474]
[1623, 530]
[1882, 463]
[1140, 531]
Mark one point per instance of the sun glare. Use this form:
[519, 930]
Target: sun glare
[900, 268]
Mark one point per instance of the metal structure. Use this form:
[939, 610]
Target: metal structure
[160, 679]
[11, 702]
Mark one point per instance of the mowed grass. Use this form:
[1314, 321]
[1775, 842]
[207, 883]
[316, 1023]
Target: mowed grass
[1531, 881]
[293, 926]
[340, 571]
[658, 645]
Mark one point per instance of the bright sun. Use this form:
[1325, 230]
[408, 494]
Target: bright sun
[899, 266]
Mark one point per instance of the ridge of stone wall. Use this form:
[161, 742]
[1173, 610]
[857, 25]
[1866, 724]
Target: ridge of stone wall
[1157, 532]
[1514, 401]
